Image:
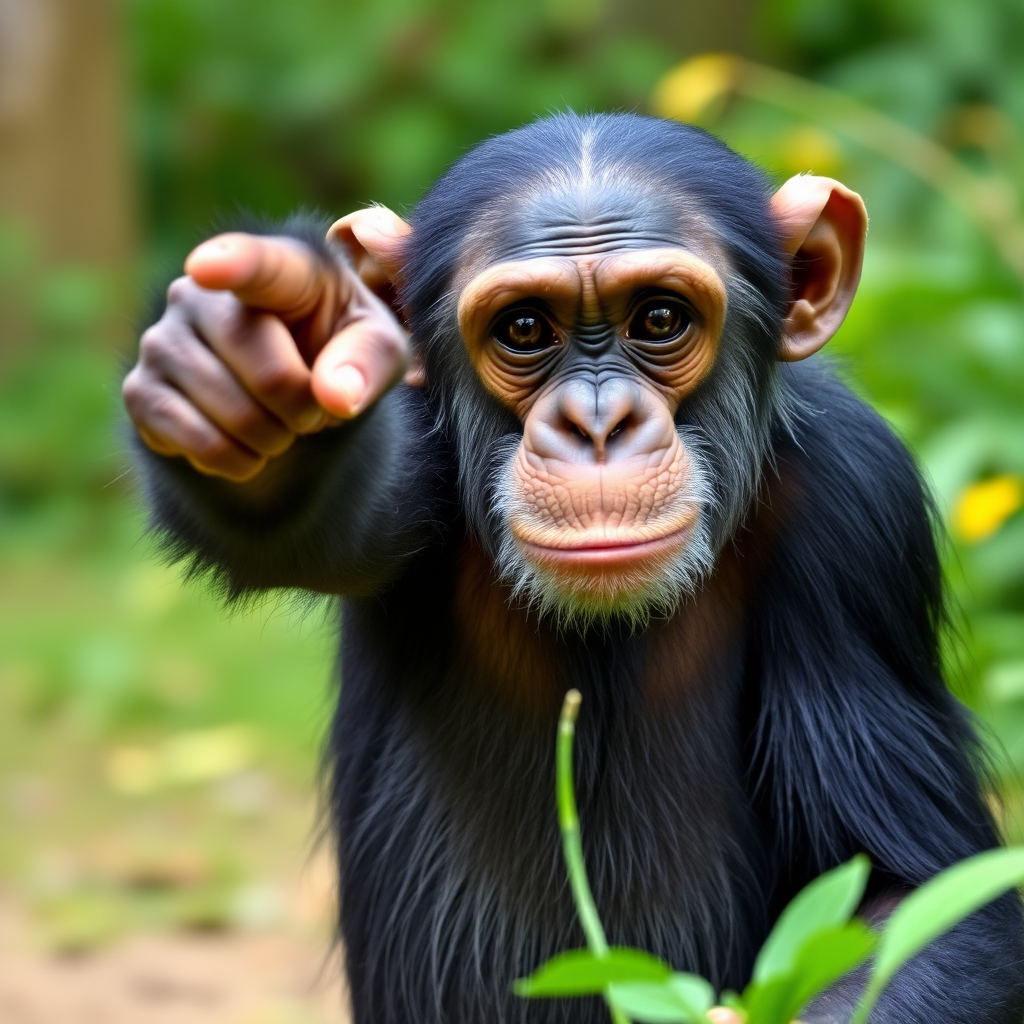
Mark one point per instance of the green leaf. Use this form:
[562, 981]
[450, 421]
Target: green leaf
[580, 972]
[937, 906]
[824, 958]
[732, 1001]
[827, 902]
[694, 989]
[683, 999]
[765, 1002]
[829, 956]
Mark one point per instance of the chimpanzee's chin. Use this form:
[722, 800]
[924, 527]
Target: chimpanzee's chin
[634, 583]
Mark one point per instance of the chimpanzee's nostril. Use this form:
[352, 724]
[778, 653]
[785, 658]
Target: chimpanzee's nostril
[619, 427]
[576, 429]
[597, 416]
[593, 434]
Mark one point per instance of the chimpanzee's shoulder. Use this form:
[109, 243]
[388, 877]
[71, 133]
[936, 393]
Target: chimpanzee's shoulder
[844, 448]
[849, 501]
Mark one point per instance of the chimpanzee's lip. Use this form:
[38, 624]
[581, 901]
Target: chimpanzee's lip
[610, 551]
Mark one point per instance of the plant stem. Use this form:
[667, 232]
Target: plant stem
[864, 1006]
[569, 823]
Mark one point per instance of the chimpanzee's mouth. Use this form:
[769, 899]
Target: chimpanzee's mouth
[606, 551]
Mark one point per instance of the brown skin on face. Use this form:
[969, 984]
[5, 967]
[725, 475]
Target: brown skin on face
[594, 353]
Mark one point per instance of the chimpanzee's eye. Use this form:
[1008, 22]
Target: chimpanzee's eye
[661, 318]
[524, 330]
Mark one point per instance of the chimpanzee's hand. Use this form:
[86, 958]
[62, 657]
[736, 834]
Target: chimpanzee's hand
[260, 342]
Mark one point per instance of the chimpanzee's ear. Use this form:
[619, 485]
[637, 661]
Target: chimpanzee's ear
[374, 239]
[822, 226]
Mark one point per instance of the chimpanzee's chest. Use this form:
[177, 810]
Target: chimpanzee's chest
[452, 882]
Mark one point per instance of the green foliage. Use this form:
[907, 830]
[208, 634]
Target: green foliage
[680, 997]
[935, 908]
[338, 103]
[826, 955]
[581, 972]
[826, 903]
[815, 942]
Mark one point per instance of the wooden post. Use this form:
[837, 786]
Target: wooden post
[65, 182]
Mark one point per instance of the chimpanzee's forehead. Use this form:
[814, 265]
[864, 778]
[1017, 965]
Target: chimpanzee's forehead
[589, 218]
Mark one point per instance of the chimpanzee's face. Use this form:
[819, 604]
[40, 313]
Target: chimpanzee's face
[593, 319]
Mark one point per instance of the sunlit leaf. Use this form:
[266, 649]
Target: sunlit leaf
[937, 906]
[765, 1002]
[693, 989]
[580, 972]
[682, 998]
[202, 755]
[827, 902]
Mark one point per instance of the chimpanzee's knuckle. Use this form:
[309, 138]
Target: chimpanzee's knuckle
[150, 405]
[158, 346]
[150, 342]
[135, 391]
[180, 290]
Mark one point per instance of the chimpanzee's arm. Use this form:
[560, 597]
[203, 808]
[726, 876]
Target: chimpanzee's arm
[969, 976]
[860, 746]
[336, 513]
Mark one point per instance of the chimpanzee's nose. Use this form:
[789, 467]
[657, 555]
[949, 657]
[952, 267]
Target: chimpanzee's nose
[589, 421]
[597, 413]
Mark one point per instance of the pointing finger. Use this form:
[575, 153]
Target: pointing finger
[279, 275]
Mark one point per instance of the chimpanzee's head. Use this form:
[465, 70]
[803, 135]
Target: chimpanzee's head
[600, 304]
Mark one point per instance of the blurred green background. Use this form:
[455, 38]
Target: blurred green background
[157, 757]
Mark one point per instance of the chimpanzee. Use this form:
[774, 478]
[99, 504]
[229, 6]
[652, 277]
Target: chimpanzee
[605, 468]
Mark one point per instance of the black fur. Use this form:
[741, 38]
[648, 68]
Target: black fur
[818, 726]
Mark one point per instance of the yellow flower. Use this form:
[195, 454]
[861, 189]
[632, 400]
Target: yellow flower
[689, 89]
[982, 508]
[810, 149]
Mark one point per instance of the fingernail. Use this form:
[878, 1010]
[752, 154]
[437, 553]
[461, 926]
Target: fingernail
[352, 385]
[213, 249]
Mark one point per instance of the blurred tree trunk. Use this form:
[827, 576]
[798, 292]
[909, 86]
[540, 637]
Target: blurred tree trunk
[65, 184]
[689, 28]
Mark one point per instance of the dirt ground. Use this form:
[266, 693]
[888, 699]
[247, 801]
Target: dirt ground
[285, 973]
[172, 979]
